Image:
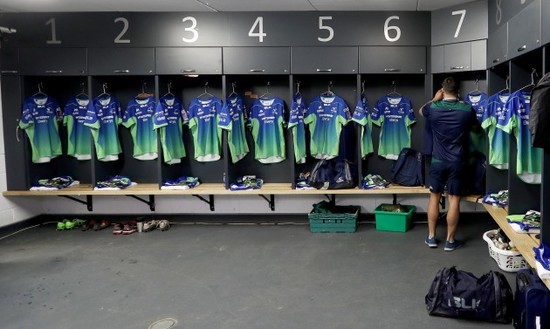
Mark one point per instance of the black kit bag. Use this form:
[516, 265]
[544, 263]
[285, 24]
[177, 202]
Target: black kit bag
[460, 294]
[531, 302]
[408, 170]
[539, 113]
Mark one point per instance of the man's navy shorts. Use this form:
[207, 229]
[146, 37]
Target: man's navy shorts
[450, 174]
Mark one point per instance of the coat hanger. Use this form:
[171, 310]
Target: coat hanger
[233, 92]
[169, 93]
[394, 92]
[143, 94]
[298, 89]
[267, 94]
[104, 93]
[530, 86]
[507, 88]
[205, 94]
[40, 93]
[329, 92]
[82, 95]
[475, 91]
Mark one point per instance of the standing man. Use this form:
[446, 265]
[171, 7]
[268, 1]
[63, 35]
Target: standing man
[450, 121]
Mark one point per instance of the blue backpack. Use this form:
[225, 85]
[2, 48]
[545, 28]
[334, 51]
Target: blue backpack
[408, 170]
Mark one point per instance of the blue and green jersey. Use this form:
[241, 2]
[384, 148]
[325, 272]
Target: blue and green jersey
[171, 135]
[203, 122]
[325, 117]
[39, 121]
[362, 117]
[395, 116]
[103, 118]
[297, 128]
[231, 118]
[266, 119]
[79, 138]
[499, 140]
[143, 119]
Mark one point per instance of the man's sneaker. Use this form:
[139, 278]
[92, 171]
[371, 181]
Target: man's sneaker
[431, 242]
[450, 246]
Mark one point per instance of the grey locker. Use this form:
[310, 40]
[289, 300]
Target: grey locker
[497, 46]
[256, 60]
[458, 57]
[388, 59]
[53, 61]
[479, 55]
[437, 59]
[524, 31]
[9, 61]
[121, 61]
[325, 60]
[188, 60]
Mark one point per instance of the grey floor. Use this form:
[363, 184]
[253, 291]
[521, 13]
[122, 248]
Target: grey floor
[230, 277]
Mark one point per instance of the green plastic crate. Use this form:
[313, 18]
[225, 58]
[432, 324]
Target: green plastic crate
[342, 219]
[393, 221]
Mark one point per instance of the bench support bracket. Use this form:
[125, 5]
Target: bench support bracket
[210, 200]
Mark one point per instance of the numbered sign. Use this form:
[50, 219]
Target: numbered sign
[135, 29]
[501, 11]
[460, 23]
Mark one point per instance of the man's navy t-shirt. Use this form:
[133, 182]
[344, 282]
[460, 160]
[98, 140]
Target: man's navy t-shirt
[450, 123]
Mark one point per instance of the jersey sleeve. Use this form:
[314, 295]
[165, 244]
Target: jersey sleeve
[129, 118]
[294, 116]
[310, 113]
[344, 115]
[224, 117]
[486, 117]
[410, 118]
[27, 119]
[159, 118]
[361, 112]
[506, 121]
[377, 116]
[92, 119]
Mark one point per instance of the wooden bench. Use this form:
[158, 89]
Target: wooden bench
[267, 192]
[523, 242]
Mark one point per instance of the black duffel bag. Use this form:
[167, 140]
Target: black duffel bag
[460, 294]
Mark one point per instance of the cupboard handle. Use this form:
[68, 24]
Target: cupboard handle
[324, 70]
[122, 71]
[496, 60]
[392, 70]
[188, 71]
[9, 72]
[53, 71]
[257, 70]
[457, 67]
[522, 48]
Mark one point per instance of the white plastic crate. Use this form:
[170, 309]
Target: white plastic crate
[507, 260]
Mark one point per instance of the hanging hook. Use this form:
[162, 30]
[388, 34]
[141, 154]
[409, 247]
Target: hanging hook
[233, 86]
[40, 86]
[508, 82]
[267, 87]
[143, 87]
[362, 87]
[329, 87]
[206, 87]
[105, 88]
[297, 87]
[169, 87]
[477, 84]
[533, 75]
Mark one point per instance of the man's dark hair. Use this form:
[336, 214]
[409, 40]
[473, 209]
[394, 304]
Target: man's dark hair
[450, 86]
